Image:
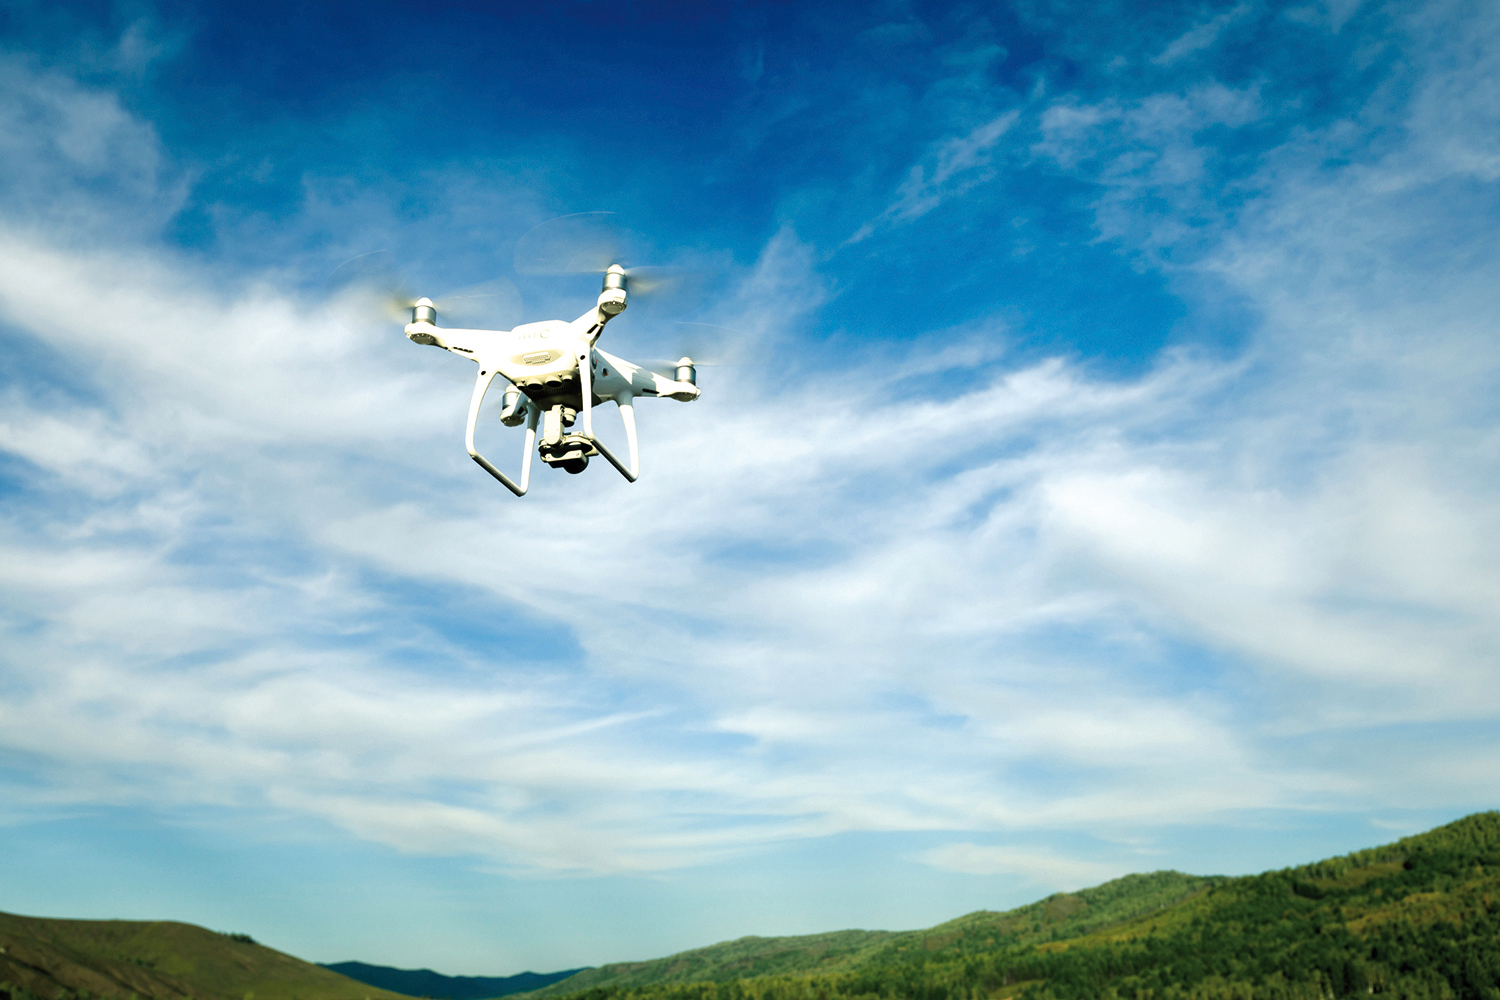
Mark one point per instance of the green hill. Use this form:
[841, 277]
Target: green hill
[742, 958]
[1418, 918]
[44, 959]
[1050, 919]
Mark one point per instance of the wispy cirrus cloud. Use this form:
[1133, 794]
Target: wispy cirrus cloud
[1043, 866]
[1199, 37]
[940, 590]
[952, 168]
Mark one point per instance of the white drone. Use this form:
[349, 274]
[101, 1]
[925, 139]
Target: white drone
[557, 376]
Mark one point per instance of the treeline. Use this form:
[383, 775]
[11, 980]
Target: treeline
[1418, 919]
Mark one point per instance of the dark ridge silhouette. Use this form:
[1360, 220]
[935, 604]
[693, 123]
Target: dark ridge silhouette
[426, 983]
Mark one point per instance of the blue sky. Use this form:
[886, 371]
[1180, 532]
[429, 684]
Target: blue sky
[1116, 489]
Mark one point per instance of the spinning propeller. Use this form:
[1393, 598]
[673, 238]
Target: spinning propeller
[592, 243]
[375, 289]
[708, 345]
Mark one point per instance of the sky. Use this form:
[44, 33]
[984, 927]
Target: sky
[1112, 486]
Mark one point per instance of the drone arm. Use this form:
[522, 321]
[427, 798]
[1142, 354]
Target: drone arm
[627, 414]
[460, 341]
[591, 324]
[481, 386]
[611, 304]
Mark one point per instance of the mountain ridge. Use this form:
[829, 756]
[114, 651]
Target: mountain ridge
[427, 983]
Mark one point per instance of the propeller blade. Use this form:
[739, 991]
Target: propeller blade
[658, 280]
[719, 345]
[707, 345]
[373, 291]
[367, 293]
[668, 369]
[590, 242]
[582, 243]
[489, 305]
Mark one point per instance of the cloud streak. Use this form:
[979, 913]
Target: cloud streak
[955, 166]
[1199, 37]
[247, 563]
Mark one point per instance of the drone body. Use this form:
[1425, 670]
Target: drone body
[557, 376]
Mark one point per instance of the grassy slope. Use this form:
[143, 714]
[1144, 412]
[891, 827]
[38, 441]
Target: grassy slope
[160, 960]
[1056, 917]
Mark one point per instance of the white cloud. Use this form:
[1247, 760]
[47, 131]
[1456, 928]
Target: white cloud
[953, 167]
[1147, 155]
[250, 564]
[1199, 37]
[1037, 866]
[72, 152]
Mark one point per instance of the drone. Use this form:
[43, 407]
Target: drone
[557, 376]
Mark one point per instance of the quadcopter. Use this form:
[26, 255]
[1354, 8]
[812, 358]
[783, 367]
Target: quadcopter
[557, 376]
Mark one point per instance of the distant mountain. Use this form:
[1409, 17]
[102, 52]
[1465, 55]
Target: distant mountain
[47, 959]
[426, 983]
[1419, 918]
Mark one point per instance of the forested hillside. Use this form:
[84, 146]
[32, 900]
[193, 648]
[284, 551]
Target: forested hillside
[755, 957]
[1417, 918]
